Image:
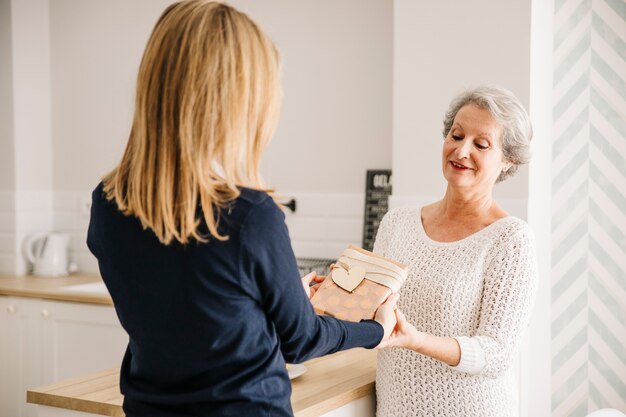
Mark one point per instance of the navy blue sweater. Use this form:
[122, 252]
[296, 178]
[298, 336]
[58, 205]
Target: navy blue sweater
[211, 324]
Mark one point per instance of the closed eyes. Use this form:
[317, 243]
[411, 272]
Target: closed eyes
[476, 144]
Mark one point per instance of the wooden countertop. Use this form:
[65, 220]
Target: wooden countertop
[51, 288]
[329, 383]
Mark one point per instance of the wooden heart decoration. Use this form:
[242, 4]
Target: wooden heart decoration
[348, 280]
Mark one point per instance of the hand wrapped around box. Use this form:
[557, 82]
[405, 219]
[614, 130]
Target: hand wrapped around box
[359, 282]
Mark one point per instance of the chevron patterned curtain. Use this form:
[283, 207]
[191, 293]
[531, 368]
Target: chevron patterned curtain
[588, 335]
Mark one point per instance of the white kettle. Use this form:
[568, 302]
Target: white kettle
[48, 253]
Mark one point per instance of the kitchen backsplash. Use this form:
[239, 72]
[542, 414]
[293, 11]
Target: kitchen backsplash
[21, 214]
[71, 215]
[322, 226]
[7, 231]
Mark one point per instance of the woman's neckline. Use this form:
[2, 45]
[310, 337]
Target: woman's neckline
[469, 237]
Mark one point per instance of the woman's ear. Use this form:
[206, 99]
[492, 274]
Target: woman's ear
[506, 166]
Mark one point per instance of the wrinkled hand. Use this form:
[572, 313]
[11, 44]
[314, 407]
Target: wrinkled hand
[311, 282]
[405, 335]
[386, 316]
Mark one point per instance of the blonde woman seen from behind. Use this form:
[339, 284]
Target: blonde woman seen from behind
[190, 244]
[472, 275]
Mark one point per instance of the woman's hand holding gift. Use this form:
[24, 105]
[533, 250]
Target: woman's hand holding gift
[386, 316]
[405, 335]
[311, 282]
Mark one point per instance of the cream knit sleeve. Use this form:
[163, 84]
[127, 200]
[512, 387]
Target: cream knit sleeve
[510, 285]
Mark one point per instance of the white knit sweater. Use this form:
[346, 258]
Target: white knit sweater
[479, 290]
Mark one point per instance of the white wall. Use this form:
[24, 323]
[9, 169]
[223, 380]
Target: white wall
[440, 49]
[337, 77]
[335, 122]
[31, 95]
[7, 177]
[96, 50]
[336, 119]
[7, 165]
[26, 190]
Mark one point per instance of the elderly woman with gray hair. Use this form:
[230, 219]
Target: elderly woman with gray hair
[472, 273]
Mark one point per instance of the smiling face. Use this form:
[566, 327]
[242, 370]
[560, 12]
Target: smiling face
[472, 151]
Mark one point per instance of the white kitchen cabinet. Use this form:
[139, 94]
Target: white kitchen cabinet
[79, 339]
[20, 345]
[45, 341]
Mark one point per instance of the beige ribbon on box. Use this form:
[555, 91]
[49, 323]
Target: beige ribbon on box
[350, 270]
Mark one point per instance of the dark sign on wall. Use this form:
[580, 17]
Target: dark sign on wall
[377, 192]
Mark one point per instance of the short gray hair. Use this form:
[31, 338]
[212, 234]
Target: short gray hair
[508, 112]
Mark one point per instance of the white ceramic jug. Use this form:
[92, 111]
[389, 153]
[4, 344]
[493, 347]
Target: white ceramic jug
[48, 253]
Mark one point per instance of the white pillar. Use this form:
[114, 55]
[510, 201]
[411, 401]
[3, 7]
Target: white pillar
[29, 135]
[537, 361]
[7, 163]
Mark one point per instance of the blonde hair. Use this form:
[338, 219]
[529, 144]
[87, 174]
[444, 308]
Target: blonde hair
[207, 103]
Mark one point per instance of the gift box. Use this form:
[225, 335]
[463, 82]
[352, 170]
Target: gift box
[358, 283]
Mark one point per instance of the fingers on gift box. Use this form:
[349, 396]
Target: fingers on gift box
[359, 282]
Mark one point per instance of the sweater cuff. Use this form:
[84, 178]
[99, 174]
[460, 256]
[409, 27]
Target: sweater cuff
[472, 355]
[366, 334]
[377, 331]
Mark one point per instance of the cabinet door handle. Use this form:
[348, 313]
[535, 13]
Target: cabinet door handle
[45, 313]
[11, 309]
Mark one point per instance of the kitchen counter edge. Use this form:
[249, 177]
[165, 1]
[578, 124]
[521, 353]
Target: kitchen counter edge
[53, 288]
[329, 383]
